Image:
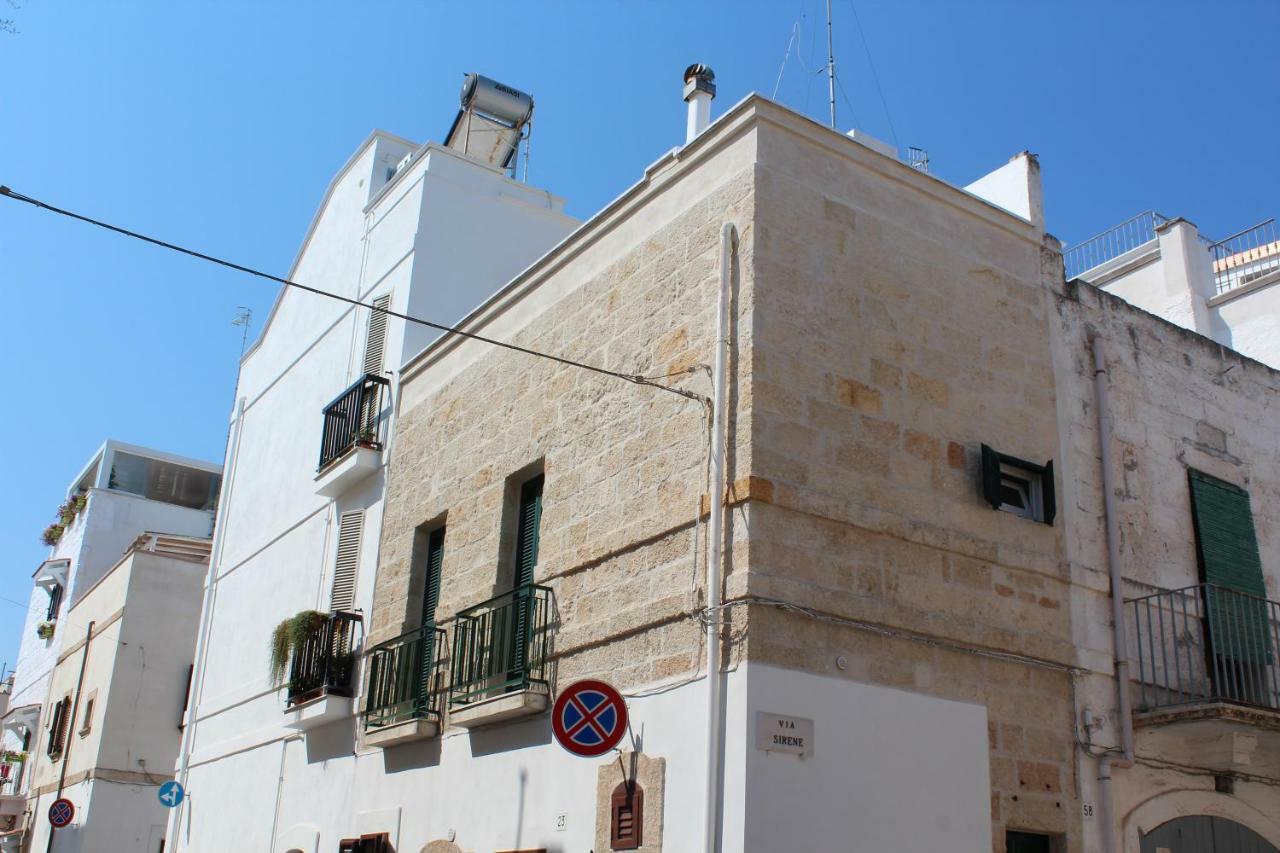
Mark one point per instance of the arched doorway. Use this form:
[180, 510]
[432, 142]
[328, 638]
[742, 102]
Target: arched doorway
[1204, 834]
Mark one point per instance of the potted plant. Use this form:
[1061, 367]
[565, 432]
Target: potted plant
[10, 756]
[290, 634]
[80, 500]
[367, 437]
[66, 514]
[52, 534]
[45, 629]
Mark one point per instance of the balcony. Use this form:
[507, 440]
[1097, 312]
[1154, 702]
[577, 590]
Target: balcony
[405, 679]
[499, 663]
[352, 436]
[1206, 675]
[1250, 258]
[322, 673]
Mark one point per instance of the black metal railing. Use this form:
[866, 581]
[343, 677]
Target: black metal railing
[325, 662]
[1204, 643]
[405, 677]
[353, 418]
[1246, 257]
[501, 645]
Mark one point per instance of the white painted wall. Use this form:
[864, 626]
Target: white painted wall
[440, 237]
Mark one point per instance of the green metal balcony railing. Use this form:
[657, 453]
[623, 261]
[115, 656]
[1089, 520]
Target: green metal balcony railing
[406, 675]
[1205, 643]
[501, 645]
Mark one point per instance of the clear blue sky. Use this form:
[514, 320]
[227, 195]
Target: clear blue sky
[219, 125]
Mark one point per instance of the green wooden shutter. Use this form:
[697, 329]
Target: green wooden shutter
[1225, 538]
[1227, 551]
[527, 531]
[431, 585]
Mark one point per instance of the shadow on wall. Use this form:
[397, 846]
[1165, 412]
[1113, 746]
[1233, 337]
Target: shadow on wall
[412, 755]
[331, 741]
[535, 732]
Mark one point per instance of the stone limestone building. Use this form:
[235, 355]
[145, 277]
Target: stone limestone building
[937, 455]
[955, 662]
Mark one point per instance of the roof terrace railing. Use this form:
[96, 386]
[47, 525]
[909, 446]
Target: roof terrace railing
[1246, 257]
[1112, 243]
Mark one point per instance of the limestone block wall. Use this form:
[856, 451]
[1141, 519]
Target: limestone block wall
[898, 326]
[625, 465]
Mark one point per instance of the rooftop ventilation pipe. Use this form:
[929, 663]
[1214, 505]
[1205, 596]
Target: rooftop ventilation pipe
[699, 89]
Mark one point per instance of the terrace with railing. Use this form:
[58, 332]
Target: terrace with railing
[1204, 644]
[1247, 257]
[324, 663]
[406, 678]
[354, 418]
[501, 646]
[1112, 243]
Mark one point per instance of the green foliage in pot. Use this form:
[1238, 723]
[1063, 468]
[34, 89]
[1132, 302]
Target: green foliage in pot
[290, 634]
[52, 534]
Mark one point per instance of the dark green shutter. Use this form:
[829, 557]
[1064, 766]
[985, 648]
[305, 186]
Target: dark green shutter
[431, 585]
[527, 531]
[1227, 551]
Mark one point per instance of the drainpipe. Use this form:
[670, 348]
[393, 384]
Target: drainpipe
[206, 619]
[1111, 840]
[70, 723]
[715, 535]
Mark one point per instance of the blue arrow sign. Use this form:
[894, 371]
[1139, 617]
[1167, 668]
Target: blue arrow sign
[170, 794]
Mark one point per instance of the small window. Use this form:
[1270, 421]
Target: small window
[86, 719]
[1019, 487]
[375, 843]
[626, 816]
[58, 728]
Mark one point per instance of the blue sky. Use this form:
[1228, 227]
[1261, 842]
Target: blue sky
[218, 126]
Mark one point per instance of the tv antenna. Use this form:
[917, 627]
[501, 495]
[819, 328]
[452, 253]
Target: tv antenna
[831, 69]
[244, 317]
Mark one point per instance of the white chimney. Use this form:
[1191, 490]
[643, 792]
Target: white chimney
[699, 89]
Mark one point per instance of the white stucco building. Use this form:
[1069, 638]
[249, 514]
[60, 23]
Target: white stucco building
[1227, 290]
[122, 492]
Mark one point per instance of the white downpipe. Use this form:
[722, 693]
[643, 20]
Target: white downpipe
[715, 537]
[206, 618]
[1119, 639]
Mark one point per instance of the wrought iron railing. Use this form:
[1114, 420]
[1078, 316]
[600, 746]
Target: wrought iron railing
[324, 663]
[405, 677]
[501, 645]
[1204, 643]
[353, 418]
[1246, 257]
[1112, 243]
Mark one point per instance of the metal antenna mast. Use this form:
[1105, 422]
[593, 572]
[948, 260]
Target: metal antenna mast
[242, 319]
[831, 69]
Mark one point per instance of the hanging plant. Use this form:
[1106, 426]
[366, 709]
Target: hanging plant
[79, 501]
[67, 514]
[290, 634]
[11, 757]
[52, 534]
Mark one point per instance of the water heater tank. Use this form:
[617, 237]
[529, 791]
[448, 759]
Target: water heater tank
[495, 100]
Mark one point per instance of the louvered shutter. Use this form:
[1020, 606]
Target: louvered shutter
[376, 341]
[1227, 549]
[343, 596]
[527, 531]
[431, 586]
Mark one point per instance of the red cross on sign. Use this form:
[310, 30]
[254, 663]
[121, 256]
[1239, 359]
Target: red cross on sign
[589, 718]
[61, 811]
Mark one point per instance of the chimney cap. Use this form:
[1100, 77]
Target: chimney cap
[699, 78]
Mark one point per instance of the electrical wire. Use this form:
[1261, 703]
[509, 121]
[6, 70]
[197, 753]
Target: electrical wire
[634, 379]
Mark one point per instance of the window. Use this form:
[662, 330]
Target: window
[343, 595]
[55, 601]
[527, 523]
[86, 719]
[1019, 487]
[58, 728]
[1027, 842]
[376, 340]
[626, 816]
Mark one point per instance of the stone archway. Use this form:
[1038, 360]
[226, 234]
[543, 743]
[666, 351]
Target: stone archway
[1144, 819]
[1204, 834]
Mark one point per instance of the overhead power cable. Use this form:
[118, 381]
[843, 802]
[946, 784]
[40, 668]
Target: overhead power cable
[874, 76]
[634, 379]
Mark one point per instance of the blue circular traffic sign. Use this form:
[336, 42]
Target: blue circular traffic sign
[170, 794]
[589, 718]
[61, 811]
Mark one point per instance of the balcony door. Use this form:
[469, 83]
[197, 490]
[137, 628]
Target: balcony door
[528, 523]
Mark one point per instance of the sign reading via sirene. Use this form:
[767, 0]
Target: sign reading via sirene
[61, 812]
[779, 733]
[589, 718]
